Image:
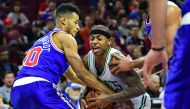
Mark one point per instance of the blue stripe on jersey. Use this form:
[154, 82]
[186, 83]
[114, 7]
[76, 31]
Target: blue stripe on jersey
[50, 64]
[34, 54]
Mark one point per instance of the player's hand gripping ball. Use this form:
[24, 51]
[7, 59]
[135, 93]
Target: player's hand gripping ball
[94, 94]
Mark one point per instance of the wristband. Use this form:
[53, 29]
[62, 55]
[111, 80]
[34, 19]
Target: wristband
[158, 49]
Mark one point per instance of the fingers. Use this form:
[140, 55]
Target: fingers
[83, 104]
[91, 100]
[118, 57]
[146, 73]
[114, 62]
[113, 70]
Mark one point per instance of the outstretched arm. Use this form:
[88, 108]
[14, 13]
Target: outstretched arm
[157, 54]
[125, 64]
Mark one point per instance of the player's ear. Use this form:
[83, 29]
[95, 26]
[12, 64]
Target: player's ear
[62, 19]
[110, 41]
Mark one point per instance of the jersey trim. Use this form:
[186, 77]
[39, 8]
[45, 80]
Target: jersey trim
[143, 102]
[106, 61]
[186, 19]
[54, 46]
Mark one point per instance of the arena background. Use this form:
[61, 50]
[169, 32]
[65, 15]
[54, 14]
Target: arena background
[22, 22]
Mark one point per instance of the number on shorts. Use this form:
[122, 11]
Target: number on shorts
[33, 57]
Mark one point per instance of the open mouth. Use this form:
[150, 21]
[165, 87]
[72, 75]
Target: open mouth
[95, 49]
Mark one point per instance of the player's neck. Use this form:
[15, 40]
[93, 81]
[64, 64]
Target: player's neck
[102, 57]
[61, 27]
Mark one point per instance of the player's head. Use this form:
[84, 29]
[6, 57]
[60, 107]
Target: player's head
[100, 39]
[67, 17]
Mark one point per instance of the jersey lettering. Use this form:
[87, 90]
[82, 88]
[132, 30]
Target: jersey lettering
[114, 85]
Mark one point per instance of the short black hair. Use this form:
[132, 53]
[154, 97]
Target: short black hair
[8, 72]
[101, 29]
[66, 8]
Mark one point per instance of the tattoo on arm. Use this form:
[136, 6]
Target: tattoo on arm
[135, 87]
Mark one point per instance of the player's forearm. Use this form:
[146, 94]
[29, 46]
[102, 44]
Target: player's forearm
[158, 22]
[131, 92]
[138, 63]
[135, 87]
[87, 77]
[72, 76]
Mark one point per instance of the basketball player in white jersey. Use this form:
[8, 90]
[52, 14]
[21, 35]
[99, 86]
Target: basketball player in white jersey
[126, 85]
[173, 21]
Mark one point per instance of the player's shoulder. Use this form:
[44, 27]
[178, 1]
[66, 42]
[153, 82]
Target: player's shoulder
[118, 52]
[170, 3]
[172, 7]
[115, 51]
[63, 36]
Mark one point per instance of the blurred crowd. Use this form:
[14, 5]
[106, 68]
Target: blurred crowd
[23, 22]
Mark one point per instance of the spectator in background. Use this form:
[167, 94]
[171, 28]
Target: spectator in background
[18, 17]
[43, 6]
[123, 25]
[36, 32]
[96, 14]
[15, 55]
[50, 10]
[73, 92]
[5, 90]
[9, 33]
[137, 53]
[130, 46]
[5, 65]
[117, 7]
[136, 40]
[49, 23]
[153, 90]
[84, 36]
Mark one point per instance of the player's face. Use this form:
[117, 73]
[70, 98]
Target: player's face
[99, 44]
[72, 24]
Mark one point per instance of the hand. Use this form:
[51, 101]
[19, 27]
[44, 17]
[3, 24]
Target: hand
[153, 58]
[100, 101]
[122, 64]
[83, 104]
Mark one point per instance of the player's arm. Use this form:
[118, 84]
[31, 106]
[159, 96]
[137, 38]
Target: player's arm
[69, 46]
[158, 21]
[71, 75]
[135, 87]
[157, 54]
[172, 24]
[124, 64]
